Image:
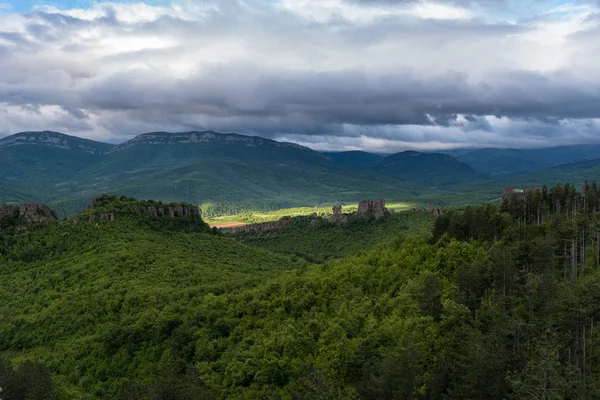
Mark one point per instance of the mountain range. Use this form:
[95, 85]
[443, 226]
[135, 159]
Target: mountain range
[230, 173]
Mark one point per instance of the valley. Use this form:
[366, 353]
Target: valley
[255, 269]
[230, 174]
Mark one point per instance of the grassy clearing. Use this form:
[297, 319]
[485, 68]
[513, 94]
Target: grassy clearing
[254, 217]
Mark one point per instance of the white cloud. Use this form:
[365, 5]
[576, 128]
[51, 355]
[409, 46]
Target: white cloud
[334, 73]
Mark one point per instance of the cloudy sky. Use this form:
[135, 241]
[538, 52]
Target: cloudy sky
[379, 75]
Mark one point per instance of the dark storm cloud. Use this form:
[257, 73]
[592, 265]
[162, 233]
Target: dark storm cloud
[294, 71]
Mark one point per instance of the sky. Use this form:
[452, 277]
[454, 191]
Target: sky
[374, 75]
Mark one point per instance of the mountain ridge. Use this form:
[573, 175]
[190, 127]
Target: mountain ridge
[55, 139]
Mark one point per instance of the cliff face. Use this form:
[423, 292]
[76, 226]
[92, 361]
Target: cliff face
[25, 215]
[372, 208]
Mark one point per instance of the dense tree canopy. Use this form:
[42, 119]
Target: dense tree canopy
[499, 302]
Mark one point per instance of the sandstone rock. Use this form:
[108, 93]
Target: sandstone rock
[372, 209]
[338, 217]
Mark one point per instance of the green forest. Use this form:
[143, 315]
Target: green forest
[494, 301]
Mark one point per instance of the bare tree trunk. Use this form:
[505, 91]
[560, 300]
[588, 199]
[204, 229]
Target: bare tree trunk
[576, 350]
[583, 251]
[584, 363]
[565, 260]
[592, 347]
[597, 250]
[573, 262]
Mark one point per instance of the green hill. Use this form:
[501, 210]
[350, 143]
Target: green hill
[318, 240]
[226, 173]
[508, 162]
[431, 169]
[492, 304]
[353, 159]
[96, 302]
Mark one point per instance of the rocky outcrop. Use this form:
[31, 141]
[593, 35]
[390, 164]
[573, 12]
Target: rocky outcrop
[26, 215]
[338, 217]
[370, 208]
[8, 209]
[36, 213]
[138, 208]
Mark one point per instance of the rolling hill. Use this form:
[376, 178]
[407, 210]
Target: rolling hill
[508, 162]
[223, 172]
[232, 173]
[431, 169]
[353, 158]
[111, 283]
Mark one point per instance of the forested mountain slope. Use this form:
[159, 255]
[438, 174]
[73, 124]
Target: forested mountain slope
[431, 169]
[318, 240]
[223, 172]
[508, 162]
[499, 302]
[99, 302]
[353, 159]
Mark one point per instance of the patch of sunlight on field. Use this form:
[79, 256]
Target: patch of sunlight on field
[267, 216]
[399, 206]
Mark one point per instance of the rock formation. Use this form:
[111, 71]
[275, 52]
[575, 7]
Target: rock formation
[35, 213]
[28, 214]
[158, 211]
[372, 209]
[338, 217]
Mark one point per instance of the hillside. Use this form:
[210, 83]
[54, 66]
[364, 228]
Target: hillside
[491, 305]
[226, 173]
[36, 165]
[507, 162]
[231, 174]
[105, 304]
[353, 159]
[46, 157]
[55, 139]
[12, 193]
[431, 169]
[318, 240]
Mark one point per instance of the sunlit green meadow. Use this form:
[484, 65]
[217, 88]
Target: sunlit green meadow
[254, 217]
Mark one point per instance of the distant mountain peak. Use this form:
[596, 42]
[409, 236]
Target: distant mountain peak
[54, 139]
